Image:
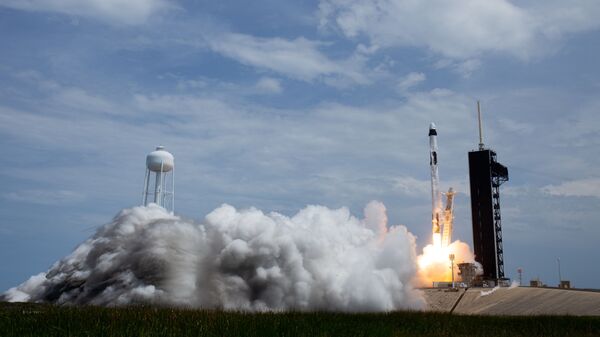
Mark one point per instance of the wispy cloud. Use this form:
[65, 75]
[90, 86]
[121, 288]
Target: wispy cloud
[268, 85]
[411, 80]
[69, 97]
[298, 58]
[589, 187]
[45, 197]
[130, 12]
[411, 186]
[516, 126]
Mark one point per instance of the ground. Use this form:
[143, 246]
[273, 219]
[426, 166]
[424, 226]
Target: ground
[48, 320]
[515, 301]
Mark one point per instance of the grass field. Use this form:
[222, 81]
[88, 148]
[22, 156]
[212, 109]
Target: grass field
[48, 320]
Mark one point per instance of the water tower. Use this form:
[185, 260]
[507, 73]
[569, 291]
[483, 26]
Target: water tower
[159, 183]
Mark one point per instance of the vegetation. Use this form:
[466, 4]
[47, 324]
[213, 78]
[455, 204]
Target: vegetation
[49, 320]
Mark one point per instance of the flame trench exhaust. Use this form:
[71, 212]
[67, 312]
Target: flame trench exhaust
[441, 217]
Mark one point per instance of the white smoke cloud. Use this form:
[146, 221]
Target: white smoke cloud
[319, 259]
[489, 292]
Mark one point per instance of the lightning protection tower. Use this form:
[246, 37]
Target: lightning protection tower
[486, 175]
[159, 182]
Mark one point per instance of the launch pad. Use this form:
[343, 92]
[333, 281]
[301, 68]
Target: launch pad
[514, 301]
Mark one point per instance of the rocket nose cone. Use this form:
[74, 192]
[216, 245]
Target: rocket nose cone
[432, 131]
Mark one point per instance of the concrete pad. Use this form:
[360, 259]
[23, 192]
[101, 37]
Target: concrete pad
[441, 299]
[530, 301]
[516, 301]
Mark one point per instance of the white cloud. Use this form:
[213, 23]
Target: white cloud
[115, 11]
[467, 67]
[299, 58]
[78, 98]
[37, 79]
[191, 84]
[461, 29]
[411, 80]
[464, 68]
[269, 85]
[184, 106]
[411, 186]
[515, 191]
[452, 28]
[516, 126]
[45, 197]
[556, 17]
[72, 98]
[253, 141]
[589, 187]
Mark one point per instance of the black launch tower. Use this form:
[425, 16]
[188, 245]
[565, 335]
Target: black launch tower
[486, 175]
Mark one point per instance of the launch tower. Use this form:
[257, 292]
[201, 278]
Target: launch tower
[486, 175]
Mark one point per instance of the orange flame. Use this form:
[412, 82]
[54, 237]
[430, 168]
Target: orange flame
[434, 264]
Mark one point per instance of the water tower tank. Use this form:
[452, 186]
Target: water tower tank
[159, 183]
[160, 160]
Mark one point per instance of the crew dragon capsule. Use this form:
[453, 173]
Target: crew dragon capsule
[441, 218]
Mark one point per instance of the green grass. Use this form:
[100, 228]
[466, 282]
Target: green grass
[48, 320]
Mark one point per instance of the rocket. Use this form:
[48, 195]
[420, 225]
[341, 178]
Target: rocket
[436, 196]
[442, 219]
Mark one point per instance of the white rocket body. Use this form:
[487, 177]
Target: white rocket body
[436, 195]
[442, 218]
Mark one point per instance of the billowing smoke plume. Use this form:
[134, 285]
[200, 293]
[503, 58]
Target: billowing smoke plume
[319, 259]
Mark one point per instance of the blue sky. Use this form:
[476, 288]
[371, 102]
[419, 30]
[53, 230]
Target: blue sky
[279, 105]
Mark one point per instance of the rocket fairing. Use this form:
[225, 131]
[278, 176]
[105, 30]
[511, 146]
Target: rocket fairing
[436, 196]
